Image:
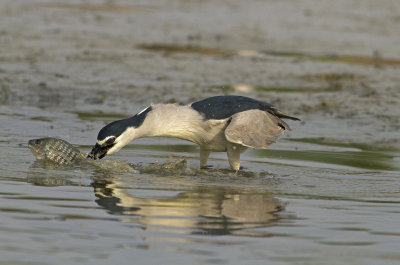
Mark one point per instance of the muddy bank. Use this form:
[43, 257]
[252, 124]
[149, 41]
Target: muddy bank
[335, 65]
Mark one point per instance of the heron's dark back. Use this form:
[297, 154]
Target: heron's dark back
[222, 107]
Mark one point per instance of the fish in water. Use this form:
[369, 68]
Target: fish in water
[60, 152]
[56, 150]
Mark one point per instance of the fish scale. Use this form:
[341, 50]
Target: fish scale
[56, 150]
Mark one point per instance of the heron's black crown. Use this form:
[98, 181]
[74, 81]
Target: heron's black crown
[116, 128]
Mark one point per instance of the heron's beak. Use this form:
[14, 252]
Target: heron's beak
[99, 151]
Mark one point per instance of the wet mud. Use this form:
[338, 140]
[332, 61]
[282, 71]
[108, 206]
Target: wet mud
[78, 62]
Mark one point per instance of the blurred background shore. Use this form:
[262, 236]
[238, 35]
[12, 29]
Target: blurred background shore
[334, 64]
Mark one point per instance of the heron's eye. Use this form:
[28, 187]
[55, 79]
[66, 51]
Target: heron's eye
[111, 140]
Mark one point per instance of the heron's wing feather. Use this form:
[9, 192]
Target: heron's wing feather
[254, 128]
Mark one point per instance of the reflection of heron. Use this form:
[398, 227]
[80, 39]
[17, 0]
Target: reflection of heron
[218, 124]
[205, 210]
[212, 211]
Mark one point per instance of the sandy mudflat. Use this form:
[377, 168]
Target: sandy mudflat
[336, 65]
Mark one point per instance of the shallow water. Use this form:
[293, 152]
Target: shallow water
[304, 201]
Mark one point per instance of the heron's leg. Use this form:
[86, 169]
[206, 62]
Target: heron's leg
[204, 153]
[234, 156]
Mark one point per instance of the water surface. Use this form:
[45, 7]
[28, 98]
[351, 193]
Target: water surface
[304, 201]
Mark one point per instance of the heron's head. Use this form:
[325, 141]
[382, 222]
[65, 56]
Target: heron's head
[117, 134]
[112, 138]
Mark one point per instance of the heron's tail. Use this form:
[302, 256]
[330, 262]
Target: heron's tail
[283, 115]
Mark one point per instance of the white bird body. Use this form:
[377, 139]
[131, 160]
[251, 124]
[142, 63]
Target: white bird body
[232, 132]
[172, 120]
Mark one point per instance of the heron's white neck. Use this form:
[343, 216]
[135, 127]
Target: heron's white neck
[172, 120]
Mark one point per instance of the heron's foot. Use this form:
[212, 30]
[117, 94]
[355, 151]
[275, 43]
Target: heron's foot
[237, 171]
[234, 157]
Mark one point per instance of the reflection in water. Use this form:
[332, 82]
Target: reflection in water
[212, 211]
[47, 173]
[205, 209]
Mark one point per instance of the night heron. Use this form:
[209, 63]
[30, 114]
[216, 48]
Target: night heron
[221, 124]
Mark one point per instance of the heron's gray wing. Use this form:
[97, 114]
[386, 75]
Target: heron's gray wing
[254, 128]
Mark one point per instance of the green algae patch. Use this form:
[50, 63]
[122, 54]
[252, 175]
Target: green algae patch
[370, 160]
[173, 48]
[351, 59]
[41, 118]
[98, 115]
[358, 155]
[337, 143]
[363, 60]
